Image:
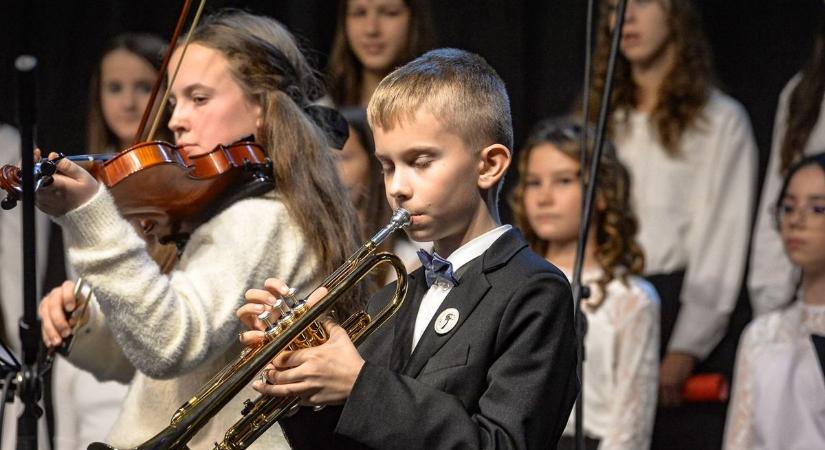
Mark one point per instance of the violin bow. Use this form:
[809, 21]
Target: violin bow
[163, 67]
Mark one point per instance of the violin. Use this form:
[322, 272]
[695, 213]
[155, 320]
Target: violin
[161, 190]
[167, 192]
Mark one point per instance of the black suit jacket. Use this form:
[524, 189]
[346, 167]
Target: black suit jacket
[502, 378]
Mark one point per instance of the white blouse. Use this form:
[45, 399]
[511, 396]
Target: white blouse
[694, 212]
[779, 387]
[621, 365]
[772, 278]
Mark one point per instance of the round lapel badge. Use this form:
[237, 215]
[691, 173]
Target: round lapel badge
[446, 321]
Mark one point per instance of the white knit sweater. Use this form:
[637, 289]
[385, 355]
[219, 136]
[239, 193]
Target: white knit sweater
[178, 329]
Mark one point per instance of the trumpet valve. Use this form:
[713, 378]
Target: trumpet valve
[283, 308]
[266, 318]
[291, 299]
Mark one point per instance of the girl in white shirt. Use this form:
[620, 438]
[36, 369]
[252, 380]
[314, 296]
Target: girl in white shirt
[620, 372]
[779, 390]
[799, 130]
[692, 158]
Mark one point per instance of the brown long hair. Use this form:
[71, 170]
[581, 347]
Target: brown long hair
[617, 250]
[804, 105]
[148, 47]
[685, 89]
[375, 209]
[267, 64]
[345, 69]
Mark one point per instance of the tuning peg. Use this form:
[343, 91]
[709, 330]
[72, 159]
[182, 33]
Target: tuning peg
[48, 167]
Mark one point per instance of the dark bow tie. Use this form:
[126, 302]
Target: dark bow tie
[436, 267]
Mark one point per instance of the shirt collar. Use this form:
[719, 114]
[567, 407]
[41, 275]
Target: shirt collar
[477, 246]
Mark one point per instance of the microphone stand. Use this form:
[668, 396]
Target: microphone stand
[29, 380]
[580, 292]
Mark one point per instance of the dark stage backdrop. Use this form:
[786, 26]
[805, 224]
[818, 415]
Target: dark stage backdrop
[537, 47]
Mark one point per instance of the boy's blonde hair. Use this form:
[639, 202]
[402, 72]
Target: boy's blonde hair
[459, 88]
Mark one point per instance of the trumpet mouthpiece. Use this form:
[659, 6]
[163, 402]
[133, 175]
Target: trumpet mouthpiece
[401, 218]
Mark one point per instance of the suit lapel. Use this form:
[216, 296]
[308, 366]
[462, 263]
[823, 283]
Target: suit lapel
[464, 298]
[405, 320]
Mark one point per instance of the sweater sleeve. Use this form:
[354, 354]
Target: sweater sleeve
[719, 237]
[770, 282]
[169, 324]
[95, 349]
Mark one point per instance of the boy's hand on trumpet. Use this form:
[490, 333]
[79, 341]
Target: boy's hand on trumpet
[319, 375]
[261, 300]
[322, 375]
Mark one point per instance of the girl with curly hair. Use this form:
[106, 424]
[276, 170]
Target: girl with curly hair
[622, 311]
[691, 153]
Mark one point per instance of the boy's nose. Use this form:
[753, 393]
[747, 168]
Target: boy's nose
[398, 188]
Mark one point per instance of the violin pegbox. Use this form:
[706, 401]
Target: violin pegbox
[11, 180]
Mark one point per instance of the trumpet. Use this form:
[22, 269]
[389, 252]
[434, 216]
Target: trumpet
[297, 327]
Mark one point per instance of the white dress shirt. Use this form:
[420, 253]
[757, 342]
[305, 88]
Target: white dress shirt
[695, 212]
[440, 288]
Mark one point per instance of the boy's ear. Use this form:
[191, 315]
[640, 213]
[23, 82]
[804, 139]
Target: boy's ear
[493, 163]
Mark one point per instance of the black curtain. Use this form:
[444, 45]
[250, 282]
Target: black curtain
[537, 47]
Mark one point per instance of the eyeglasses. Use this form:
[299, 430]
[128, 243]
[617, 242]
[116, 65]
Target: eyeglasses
[814, 213]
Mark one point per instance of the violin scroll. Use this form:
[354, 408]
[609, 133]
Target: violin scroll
[11, 180]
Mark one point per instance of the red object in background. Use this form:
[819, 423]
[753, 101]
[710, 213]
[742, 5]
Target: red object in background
[706, 388]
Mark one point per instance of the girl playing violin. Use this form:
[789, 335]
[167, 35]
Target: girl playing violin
[242, 75]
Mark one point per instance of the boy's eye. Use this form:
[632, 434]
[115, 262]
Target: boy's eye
[422, 162]
[818, 209]
[532, 183]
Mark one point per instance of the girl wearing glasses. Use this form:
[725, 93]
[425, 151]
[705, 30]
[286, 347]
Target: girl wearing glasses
[799, 130]
[779, 388]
